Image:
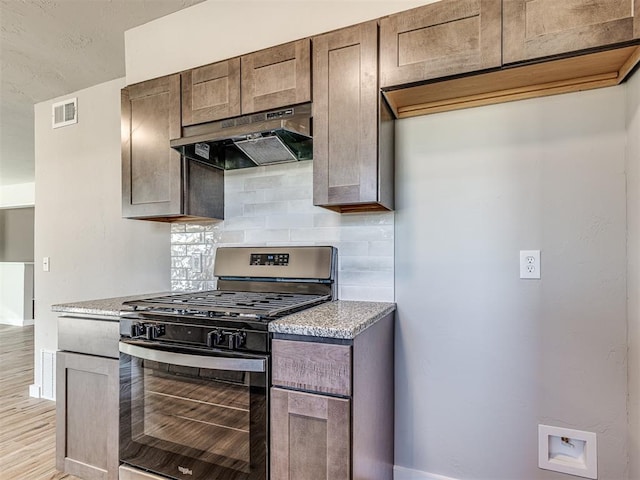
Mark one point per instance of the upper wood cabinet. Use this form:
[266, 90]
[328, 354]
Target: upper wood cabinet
[211, 92]
[353, 128]
[540, 28]
[440, 39]
[276, 77]
[157, 183]
[150, 168]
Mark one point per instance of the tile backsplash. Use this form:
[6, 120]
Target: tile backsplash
[274, 206]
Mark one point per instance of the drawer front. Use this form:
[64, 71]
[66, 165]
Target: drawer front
[91, 336]
[315, 367]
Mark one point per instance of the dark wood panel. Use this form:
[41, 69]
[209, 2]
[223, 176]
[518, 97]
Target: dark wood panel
[211, 92]
[440, 39]
[276, 77]
[539, 28]
[318, 367]
[310, 436]
[345, 147]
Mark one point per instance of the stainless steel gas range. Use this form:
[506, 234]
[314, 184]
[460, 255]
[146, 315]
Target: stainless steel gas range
[195, 367]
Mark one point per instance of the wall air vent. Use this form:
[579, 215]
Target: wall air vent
[65, 113]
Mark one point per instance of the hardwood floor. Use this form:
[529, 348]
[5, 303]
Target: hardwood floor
[27, 425]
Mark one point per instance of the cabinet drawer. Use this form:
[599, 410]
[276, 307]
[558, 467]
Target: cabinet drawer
[317, 367]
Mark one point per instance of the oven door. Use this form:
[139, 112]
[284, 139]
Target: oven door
[193, 414]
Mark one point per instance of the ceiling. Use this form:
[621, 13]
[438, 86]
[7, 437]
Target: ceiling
[50, 48]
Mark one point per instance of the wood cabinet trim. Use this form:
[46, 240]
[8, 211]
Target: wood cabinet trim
[595, 70]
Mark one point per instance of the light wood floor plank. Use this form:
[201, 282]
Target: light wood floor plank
[27, 425]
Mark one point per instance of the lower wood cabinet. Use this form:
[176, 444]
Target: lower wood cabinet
[87, 416]
[311, 436]
[332, 406]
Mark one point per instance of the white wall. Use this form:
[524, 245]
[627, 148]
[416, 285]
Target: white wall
[18, 195]
[94, 252]
[482, 356]
[220, 29]
[633, 271]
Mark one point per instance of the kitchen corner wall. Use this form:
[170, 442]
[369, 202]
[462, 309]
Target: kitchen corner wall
[483, 357]
[94, 252]
[273, 205]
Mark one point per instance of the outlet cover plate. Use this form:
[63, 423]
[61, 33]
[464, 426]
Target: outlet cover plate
[583, 462]
[530, 264]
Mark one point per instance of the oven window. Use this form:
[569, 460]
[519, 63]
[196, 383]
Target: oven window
[194, 422]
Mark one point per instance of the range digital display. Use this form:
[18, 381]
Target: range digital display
[277, 259]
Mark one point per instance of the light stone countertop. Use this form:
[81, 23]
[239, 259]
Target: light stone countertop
[340, 319]
[109, 307]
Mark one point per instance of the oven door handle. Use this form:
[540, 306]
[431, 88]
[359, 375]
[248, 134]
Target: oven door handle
[192, 360]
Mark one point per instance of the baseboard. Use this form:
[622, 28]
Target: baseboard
[402, 473]
[16, 322]
[48, 374]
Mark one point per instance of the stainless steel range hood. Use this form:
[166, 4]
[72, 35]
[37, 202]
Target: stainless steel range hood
[267, 138]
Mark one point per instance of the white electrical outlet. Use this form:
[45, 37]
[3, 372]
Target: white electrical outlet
[529, 263]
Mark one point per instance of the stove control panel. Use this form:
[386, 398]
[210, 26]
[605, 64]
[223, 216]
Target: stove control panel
[277, 259]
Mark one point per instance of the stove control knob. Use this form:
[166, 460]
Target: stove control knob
[154, 331]
[240, 339]
[215, 338]
[138, 330]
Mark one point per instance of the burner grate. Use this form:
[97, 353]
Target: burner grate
[225, 302]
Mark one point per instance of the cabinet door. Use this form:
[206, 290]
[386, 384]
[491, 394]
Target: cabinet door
[150, 168]
[345, 118]
[539, 28]
[211, 92]
[441, 39]
[87, 416]
[276, 77]
[310, 436]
